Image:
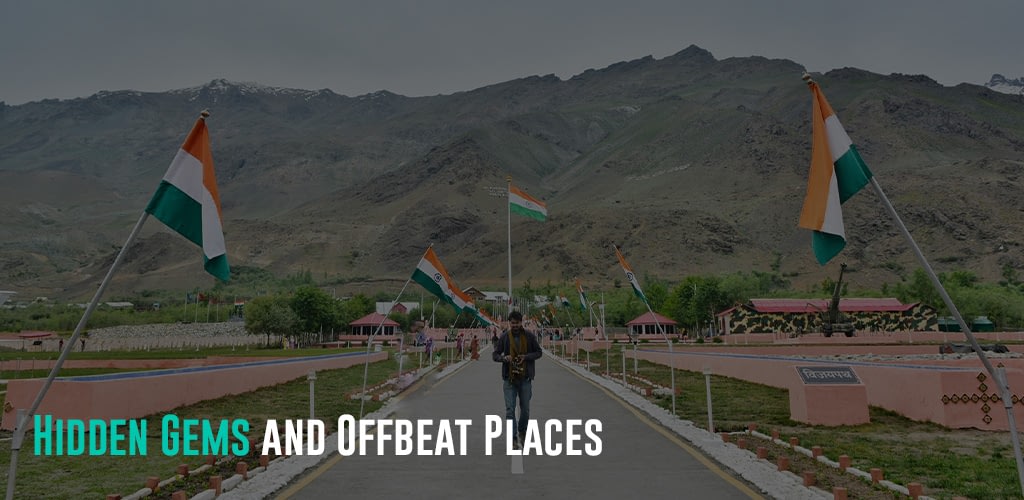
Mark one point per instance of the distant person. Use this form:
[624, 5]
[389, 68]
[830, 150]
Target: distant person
[416, 332]
[60, 346]
[83, 345]
[459, 344]
[474, 348]
[517, 351]
[429, 349]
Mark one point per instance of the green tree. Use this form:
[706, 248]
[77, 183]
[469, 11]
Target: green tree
[352, 309]
[269, 316]
[656, 292]
[315, 310]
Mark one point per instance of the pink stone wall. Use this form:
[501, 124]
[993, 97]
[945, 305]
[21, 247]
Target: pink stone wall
[913, 390]
[870, 338]
[141, 394]
[829, 404]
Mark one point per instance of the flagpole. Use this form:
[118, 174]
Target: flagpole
[369, 343]
[998, 375]
[671, 365]
[509, 207]
[22, 419]
[643, 297]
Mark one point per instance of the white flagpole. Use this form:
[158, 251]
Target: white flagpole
[671, 365]
[509, 207]
[23, 418]
[369, 343]
[998, 375]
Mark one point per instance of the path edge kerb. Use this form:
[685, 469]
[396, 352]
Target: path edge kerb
[761, 474]
[274, 481]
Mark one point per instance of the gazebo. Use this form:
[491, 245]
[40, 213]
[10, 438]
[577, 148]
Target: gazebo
[369, 324]
[647, 323]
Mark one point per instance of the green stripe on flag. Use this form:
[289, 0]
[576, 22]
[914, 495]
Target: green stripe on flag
[178, 211]
[533, 214]
[826, 246]
[218, 267]
[432, 286]
[852, 173]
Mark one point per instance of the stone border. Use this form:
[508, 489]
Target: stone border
[875, 475]
[662, 415]
[272, 482]
[219, 487]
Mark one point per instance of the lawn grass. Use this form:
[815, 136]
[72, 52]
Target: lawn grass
[95, 477]
[948, 462]
[11, 355]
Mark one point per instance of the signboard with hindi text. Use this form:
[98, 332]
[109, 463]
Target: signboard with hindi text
[821, 375]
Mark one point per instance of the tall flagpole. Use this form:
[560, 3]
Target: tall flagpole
[509, 207]
[22, 419]
[369, 343]
[671, 355]
[671, 364]
[999, 375]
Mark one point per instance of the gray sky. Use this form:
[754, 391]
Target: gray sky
[74, 48]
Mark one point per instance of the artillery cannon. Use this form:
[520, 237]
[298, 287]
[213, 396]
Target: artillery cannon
[833, 320]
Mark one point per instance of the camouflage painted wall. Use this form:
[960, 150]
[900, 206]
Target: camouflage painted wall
[745, 319]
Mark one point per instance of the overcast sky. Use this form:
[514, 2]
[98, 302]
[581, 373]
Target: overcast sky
[74, 48]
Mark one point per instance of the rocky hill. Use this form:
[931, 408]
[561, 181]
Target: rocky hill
[691, 164]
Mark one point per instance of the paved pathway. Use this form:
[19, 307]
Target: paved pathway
[638, 458]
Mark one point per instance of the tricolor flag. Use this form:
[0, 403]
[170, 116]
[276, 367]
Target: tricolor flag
[630, 276]
[431, 274]
[837, 173]
[564, 300]
[187, 200]
[523, 204]
[480, 315]
[583, 296]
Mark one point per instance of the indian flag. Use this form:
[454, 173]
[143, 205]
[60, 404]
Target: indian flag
[187, 200]
[837, 173]
[481, 316]
[583, 296]
[431, 274]
[630, 276]
[485, 318]
[462, 299]
[523, 204]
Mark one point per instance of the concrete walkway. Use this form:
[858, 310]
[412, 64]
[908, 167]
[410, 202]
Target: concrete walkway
[638, 458]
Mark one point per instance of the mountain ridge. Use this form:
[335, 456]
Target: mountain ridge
[692, 164]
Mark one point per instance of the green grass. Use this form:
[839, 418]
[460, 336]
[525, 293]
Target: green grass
[948, 462]
[6, 355]
[95, 477]
[67, 372]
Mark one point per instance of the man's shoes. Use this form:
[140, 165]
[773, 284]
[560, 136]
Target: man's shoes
[517, 443]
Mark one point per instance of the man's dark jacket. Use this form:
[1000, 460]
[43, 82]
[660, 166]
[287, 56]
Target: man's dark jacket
[533, 352]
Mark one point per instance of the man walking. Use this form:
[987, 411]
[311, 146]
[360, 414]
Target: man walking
[517, 350]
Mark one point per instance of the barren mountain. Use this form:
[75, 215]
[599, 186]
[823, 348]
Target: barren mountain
[690, 164]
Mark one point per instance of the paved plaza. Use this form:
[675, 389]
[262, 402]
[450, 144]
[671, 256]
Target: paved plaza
[638, 457]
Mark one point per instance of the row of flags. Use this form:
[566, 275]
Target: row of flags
[433, 277]
[187, 200]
